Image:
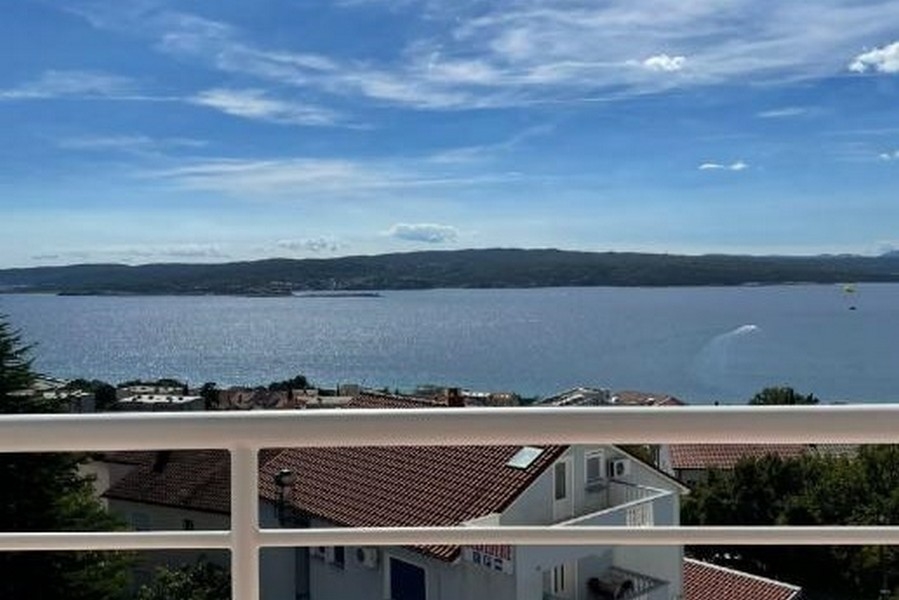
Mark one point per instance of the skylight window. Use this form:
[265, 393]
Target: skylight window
[525, 457]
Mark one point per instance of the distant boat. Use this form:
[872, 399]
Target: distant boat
[849, 292]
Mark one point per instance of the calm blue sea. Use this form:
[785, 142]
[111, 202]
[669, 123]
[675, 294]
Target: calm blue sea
[700, 344]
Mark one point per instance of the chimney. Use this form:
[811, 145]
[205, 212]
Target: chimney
[454, 397]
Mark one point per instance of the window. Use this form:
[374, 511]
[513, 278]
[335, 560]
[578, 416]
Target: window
[406, 581]
[339, 556]
[561, 480]
[594, 466]
[562, 580]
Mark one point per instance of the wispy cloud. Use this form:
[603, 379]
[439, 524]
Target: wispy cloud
[892, 155]
[256, 104]
[431, 233]
[468, 154]
[71, 84]
[312, 177]
[127, 143]
[783, 113]
[878, 60]
[141, 252]
[734, 166]
[478, 55]
[316, 245]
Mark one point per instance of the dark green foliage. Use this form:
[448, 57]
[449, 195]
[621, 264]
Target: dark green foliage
[781, 395]
[42, 492]
[486, 268]
[210, 394]
[200, 581]
[812, 490]
[295, 383]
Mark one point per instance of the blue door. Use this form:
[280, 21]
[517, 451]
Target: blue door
[407, 581]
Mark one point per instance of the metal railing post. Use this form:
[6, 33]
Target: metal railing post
[245, 579]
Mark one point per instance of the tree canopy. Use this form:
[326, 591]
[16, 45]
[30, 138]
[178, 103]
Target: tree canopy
[199, 581]
[44, 492]
[816, 489]
[781, 395]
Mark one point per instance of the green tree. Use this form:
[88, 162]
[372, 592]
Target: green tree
[210, 394]
[42, 492]
[811, 490]
[200, 581]
[781, 395]
[294, 383]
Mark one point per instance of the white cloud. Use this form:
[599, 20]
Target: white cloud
[478, 54]
[80, 84]
[315, 245]
[783, 113]
[431, 233]
[893, 155]
[665, 63]
[879, 60]
[734, 166]
[127, 143]
[254, 104]
[307, 178]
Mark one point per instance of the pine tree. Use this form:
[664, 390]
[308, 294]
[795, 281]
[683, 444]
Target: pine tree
[46, 492]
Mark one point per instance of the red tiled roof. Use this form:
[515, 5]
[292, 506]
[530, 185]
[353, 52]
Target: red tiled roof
[726, 456]
[704, 581]
[404, 486]
[352, 487]
[192, 479]
[632, 397]
[377, 400]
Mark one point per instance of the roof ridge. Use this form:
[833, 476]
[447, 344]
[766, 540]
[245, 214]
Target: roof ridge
[733, 571]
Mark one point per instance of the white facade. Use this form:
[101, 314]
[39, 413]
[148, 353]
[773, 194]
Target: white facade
[575, 490]
[641, 497]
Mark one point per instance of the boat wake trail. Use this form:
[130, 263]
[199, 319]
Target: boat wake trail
[713, 362]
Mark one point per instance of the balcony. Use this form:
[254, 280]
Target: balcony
[245, 434]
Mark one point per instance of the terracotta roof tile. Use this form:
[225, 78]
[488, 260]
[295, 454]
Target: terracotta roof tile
[404, 486]
[351, 487]
[705, 581]
[726, 456]
[193, 479]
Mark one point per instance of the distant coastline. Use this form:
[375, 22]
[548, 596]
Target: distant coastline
[461, 269]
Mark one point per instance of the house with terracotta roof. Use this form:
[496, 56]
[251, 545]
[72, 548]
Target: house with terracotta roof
[705, 581]
[466, 486]
[691, 463]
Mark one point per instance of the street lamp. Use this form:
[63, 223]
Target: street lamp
[284, 479]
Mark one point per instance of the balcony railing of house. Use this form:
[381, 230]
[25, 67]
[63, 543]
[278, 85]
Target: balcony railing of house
[243, 434]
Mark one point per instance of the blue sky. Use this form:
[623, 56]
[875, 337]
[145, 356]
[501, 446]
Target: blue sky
[202, 130]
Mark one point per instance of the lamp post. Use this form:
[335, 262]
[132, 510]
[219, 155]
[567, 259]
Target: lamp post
[284, 479]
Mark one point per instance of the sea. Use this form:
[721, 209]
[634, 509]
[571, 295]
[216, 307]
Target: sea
[700, 344]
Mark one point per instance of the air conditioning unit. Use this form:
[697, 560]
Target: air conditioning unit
[620, 467]
[367, 557]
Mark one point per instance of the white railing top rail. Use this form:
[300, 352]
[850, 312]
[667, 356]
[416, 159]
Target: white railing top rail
[868, 423]
[244, 433]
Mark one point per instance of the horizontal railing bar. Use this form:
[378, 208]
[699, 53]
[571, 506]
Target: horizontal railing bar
[425, 536]
[120, 540]
[451, 426]
[586, 535]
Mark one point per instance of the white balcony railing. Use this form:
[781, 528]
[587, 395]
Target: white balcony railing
[243, 434]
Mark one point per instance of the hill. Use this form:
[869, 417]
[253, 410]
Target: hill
[490, 268]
